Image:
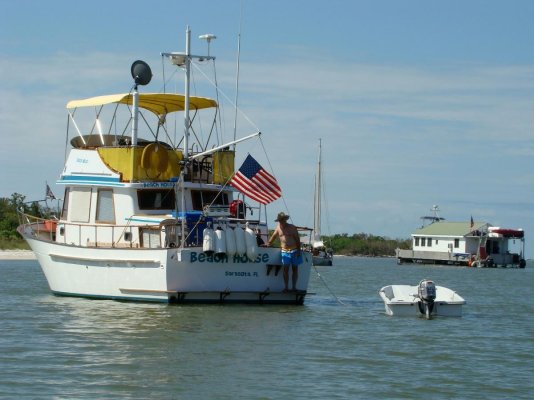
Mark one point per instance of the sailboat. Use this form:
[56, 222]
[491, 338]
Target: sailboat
[150, 220]
[322, 256]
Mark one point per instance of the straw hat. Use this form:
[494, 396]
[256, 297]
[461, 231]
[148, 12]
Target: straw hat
[281, 217]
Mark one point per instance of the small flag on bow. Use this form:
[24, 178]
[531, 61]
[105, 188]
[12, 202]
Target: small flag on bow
[255, 182]
[49, 194]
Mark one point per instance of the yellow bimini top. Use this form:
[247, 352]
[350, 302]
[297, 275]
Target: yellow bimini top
[158, 103]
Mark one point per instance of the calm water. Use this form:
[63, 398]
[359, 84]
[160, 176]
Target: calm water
[56, 347]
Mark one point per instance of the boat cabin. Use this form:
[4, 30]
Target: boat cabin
[126, 191]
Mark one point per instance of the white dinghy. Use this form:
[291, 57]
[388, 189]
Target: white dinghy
[426, 299]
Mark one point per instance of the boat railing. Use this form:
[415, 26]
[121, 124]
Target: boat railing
[166, 234]
[43, 228]
[92, 235]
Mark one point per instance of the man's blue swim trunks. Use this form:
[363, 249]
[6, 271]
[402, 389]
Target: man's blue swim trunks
[291, 257]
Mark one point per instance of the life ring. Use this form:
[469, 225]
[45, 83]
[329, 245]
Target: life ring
[154, 157]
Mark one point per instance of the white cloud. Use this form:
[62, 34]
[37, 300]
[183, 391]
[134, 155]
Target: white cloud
[396, 139]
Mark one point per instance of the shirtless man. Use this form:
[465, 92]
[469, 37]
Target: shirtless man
[290, 242]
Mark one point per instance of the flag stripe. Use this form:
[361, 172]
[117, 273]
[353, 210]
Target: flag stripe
[266, 191]
[242, 185]
[267, 185]
[253, 181]
[249, 188]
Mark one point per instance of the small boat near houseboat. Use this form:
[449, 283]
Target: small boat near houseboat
[424, 300]
[470, 243]
[147, 219]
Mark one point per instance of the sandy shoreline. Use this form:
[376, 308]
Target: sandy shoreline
[17, 255]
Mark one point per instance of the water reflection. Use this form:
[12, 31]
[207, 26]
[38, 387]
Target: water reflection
[72, 347]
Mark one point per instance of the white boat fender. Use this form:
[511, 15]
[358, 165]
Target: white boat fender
[208, 243]
[240, 243]
[220, 241]
[231, 247]
[251, 243]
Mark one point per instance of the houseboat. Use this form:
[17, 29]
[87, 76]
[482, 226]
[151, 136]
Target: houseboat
[469, 243]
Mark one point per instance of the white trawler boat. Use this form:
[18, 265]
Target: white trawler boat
[146, 220]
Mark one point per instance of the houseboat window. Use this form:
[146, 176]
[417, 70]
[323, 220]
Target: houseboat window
[456, 243]
[416, 241]
[105, 211]
[436, 241]
[429, 242]
[156, 199]
[65, 210]
[82, 198]
[203, 198]
[423, 242]
[492, 247]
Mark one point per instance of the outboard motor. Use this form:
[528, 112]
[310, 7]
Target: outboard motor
[427, 295]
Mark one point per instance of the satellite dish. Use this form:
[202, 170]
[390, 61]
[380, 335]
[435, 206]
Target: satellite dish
[141, 72]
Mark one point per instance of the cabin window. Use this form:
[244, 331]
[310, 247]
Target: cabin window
[156, 199]
[203, 198]
[105, 211]
[65, 210]
[429, 242]
[416, 241]
[82, 198]
[456, 243]
[150, 238]
[423, 242]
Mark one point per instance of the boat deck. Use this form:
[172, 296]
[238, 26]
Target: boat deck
[431, 257]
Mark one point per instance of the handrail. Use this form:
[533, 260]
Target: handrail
[115, 236]
[40, 227]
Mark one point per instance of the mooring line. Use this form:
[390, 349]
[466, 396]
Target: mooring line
[324, 283]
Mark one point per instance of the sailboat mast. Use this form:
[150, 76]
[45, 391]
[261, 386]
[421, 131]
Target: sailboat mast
[317, 213]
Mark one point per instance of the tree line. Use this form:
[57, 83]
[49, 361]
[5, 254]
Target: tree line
[364, 244]
[341, 244]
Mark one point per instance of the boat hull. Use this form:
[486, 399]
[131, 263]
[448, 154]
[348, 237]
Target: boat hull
[167, 275]
[322, 261]
[402, 300]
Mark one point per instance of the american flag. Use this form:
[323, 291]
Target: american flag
[256, 183]
[49, 194]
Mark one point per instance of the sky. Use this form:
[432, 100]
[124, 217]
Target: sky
[417, 102]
